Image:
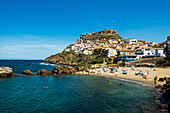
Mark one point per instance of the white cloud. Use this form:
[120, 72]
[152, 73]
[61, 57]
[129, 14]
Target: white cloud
[27, 51]
[30, 46]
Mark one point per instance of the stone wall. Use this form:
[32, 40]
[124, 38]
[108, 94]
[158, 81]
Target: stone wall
[100, 34]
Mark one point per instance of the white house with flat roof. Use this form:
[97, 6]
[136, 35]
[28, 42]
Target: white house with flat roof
[150, 53]
[109, 52]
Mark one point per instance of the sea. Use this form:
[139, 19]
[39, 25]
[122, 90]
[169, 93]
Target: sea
[71, 93]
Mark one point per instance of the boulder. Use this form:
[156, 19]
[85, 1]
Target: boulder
[56, 69]
[27, 72]
[163, 106]
[72, 70]
[166, 95]
[44, 72]
[80, 68]
[63, 70]
[5, 72]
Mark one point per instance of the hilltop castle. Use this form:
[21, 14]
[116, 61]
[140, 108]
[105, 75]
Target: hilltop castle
[107, 33]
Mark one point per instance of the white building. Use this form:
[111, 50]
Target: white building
[86, 52]
[109, 52]
[112, 52]
[133, 41]
[150, 53]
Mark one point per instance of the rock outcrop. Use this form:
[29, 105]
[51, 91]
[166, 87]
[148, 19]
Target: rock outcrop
[27, 72]
[82, 68]
[5, 72]
[165, 90]
[70, 59]
[76, 59]
[107, 33]
[59, 70]
[44, 72]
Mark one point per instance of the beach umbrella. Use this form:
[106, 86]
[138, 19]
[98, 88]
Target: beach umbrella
[115, 68]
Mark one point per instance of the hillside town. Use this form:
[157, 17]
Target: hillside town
[109, 43]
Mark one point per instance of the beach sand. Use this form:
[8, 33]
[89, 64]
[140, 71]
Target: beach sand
[159, 72]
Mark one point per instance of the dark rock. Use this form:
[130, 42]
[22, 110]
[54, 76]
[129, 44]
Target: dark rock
[5, 72]
[163, 106]
[166, 95]
[27, 72]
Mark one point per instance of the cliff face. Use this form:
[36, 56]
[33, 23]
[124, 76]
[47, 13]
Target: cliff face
[76, 59]
[69, 59]
[107, 33]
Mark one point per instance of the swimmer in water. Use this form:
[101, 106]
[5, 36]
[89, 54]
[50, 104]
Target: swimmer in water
[44, 86]
[121, 84]
[47, 87]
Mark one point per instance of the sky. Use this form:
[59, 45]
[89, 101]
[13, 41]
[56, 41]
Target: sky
[36, 29]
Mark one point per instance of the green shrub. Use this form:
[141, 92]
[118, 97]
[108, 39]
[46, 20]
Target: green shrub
[79, 60]
[96, 61]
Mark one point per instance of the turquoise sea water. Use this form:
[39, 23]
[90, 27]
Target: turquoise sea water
[19, 65]
[73, 94]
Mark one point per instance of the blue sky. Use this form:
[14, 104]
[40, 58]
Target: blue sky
[36, 29]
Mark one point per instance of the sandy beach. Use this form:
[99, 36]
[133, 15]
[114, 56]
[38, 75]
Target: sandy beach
[150, 73]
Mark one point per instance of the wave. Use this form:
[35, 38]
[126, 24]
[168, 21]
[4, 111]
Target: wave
[48, 64]
[131, 81]
[44, 63]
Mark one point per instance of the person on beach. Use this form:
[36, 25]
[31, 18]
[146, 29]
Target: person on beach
[155, 79]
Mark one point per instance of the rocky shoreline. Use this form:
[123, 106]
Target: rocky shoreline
[57, 71]
[162, 84]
